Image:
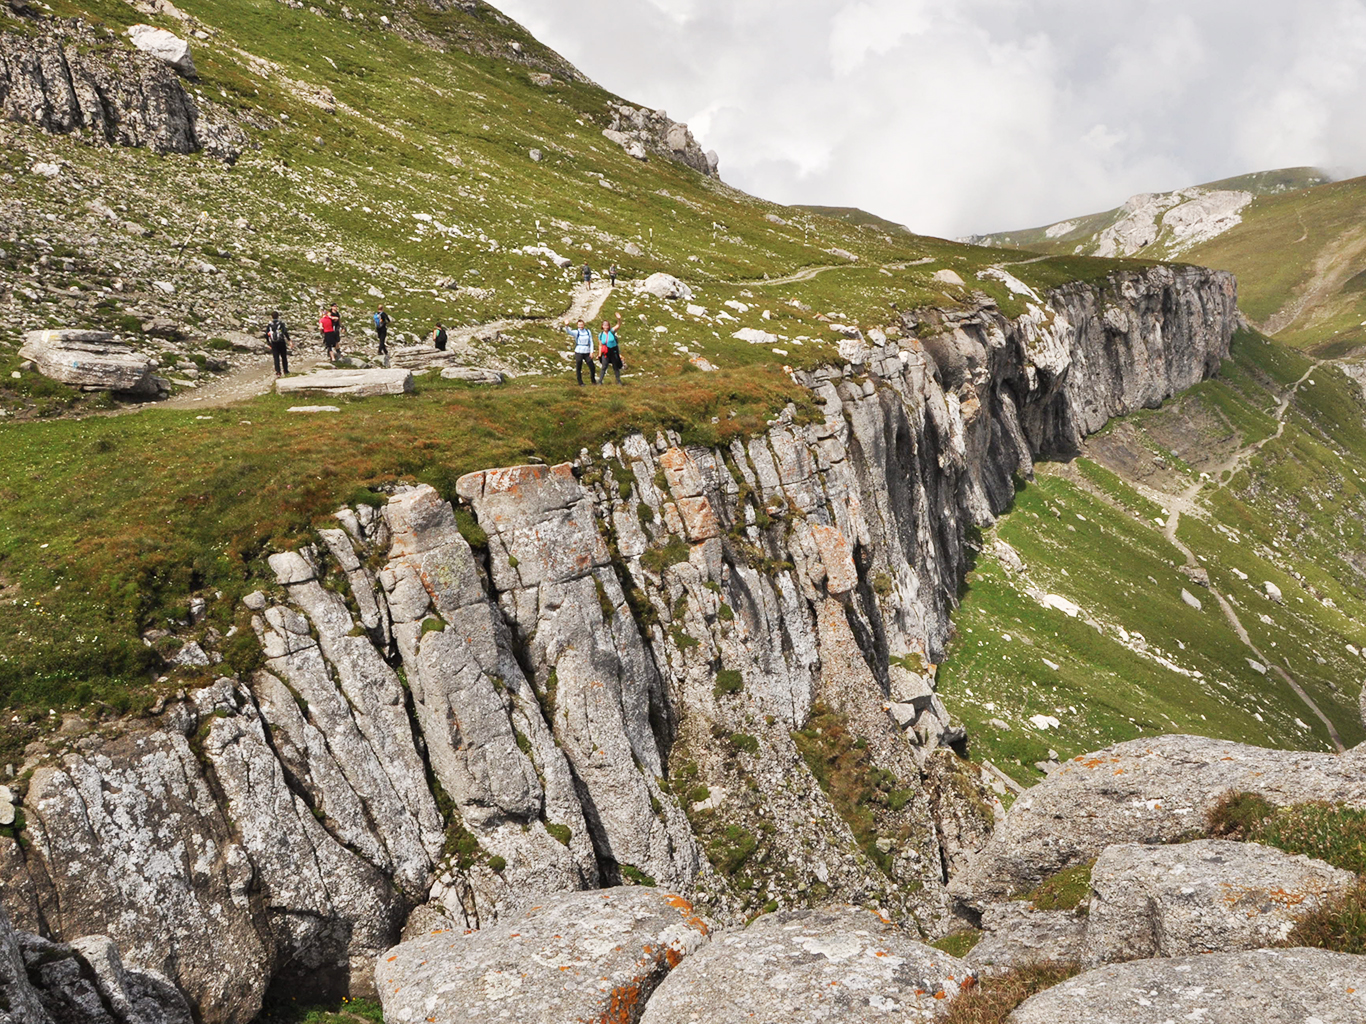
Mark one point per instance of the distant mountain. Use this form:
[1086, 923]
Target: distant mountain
[1159, 225]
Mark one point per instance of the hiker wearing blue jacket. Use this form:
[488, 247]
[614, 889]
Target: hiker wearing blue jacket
[583, 351]
[608, 350]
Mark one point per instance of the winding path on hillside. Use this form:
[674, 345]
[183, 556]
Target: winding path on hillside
[1186, 500]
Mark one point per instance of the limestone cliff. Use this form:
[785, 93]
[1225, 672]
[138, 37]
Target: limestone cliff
[706, 668]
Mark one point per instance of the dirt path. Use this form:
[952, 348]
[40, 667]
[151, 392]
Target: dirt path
[1186, 500]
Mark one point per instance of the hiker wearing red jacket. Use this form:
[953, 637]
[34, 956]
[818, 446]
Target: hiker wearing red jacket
[329, 325]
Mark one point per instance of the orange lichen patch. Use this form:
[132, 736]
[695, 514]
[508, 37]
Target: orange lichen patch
[678, 901]
[968, 983]
[621, 1005]
[1095, 762]
[1119, 771]
[564, 967]
[880, 952]
[672, 957]
[700, 925]
[392, 959]
[940, 994]
[1236, 894]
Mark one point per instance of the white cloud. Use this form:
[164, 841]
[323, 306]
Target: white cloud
[973, 115]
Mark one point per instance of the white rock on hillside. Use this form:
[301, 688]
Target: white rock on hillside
[836, 964]
[1264, 986]
[1201, 897]
[164, 46]
[755, 336]
[665, 286]
[90, 360]
[359, 383]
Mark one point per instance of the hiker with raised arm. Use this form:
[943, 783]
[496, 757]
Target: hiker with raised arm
[583, 351]
[610, 351]
[330, 330]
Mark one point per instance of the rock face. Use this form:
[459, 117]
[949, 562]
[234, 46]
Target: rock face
[91, 360]
[641, 131]
[1143, 791]
[1264, 986]
[838, 964]
[358, 383]
[616, 670]
[1207, 896]
[164, 46]
[43, 982]
[577, 957]
[61, 83]
[1014, 933]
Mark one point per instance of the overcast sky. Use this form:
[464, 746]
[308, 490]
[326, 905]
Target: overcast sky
[959, 116]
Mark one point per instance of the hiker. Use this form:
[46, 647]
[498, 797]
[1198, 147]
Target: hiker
[277, 337]
[336, 326]
[612, 275]
[609, 351]
[439, 337]
[381, 319]
[587, 274]
[583, 351]
[330, 330]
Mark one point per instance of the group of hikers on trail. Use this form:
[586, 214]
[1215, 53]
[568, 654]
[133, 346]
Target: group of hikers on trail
[605, 348]
[608, 350]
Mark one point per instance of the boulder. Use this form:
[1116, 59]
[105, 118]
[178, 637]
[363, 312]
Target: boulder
[359, 383]
[665, 286]
[1150, 790]
[164, 46]
[1200, 897]
[594, 955]
[1015, 933]
[164, 327]
[838, 964]
[472, 374]
[91, 361]
[423, 357]
[1264, 986]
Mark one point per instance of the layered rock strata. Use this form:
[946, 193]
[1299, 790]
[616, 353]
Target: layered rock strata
[626, 679]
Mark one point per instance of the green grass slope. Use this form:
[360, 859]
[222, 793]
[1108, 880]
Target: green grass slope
[1139, 660]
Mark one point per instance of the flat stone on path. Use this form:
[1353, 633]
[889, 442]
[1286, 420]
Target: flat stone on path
[577, 956]
[314, 408]
[358, 383]
[836, 965]
[1262, 986]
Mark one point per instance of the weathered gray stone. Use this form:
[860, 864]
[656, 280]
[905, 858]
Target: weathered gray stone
[164, 46]
[472, 374]
[1014, 934]
[1202, 897]
[90, 360]
[357, 383]
[1144, 791]
[665, 286]
[1264, 986]
[19, 1000]
[575, 956]
[835, 964]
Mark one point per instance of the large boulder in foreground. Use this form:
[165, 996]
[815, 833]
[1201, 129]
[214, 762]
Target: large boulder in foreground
[1143, 791]
[839, 965]
[1201, 897]
[1264, 986]
[358, 383]
[584, 956]
[92, 361]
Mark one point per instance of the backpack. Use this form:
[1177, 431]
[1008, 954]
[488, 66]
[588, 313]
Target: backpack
[275, 332]
[380, 320]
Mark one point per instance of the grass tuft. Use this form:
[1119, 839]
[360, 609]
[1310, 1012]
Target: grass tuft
[992, 999]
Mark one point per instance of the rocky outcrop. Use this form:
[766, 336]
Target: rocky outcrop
[578, 957]
[836, 964]
[356, 383]
[72, 80]
[640, 131]
[164, 46]
[1143, 791]
[1015, 933]
[620, 670]
[92, 361]
[1264, 986]
[44, 982]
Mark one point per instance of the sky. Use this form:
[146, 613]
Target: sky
[965, 116]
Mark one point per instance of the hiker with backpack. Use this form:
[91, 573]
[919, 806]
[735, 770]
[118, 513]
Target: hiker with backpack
[583, 351]
[439, 337]
[587, 274]
[381, 319]
[277, 337]
[329, 326]
[612, 275]
[609, 351]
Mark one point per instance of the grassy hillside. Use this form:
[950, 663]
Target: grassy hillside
[1139, 659]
